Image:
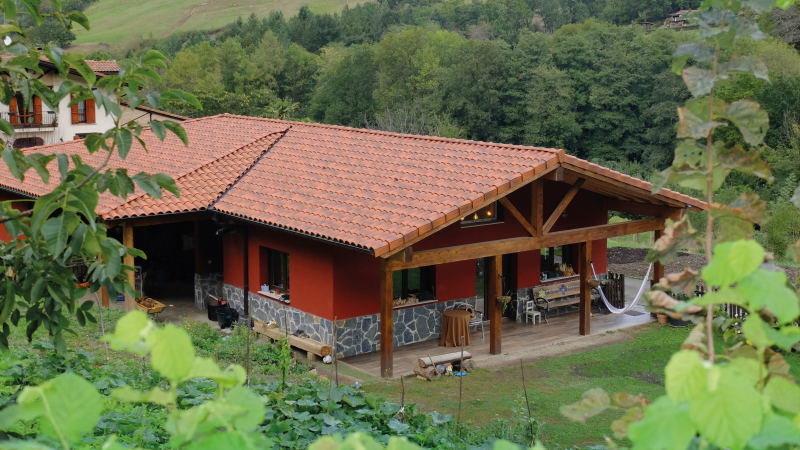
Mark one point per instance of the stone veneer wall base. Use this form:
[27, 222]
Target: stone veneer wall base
[204, 284]
[356, 335]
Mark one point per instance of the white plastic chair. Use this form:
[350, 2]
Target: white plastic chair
[531, 312]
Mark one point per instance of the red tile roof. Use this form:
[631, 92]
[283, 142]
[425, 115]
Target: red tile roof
[215, 158]
[104, 67]
[99, 67]
[369, 189]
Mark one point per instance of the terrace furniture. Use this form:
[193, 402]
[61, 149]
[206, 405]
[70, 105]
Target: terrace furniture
[555, 295]
[455, 324]
[475, 316]
[531, 312]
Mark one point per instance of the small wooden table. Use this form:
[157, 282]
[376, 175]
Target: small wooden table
[455, 323]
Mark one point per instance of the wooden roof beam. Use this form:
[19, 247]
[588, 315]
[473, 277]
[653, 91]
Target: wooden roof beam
[520, 218]
[523, 244]
[563, 205]
[643, 209]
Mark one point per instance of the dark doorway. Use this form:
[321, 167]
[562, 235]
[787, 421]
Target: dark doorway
[171, 264]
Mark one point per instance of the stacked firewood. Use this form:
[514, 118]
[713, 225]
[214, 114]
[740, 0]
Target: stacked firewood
[432, 367]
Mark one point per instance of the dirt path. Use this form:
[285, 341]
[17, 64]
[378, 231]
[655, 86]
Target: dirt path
[185, 18]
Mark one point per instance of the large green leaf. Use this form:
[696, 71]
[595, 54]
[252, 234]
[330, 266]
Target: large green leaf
[776, 431]
[71, 406]
[10, 9]
[77, 61]
[685, 376]
[16, 162]
[55, 234]
[699, 81]
[171, 351]
[207, 368]
[147, 183]
[783, 394]
[665, 426]
[130, 331]
[246, 409]
[768, 289]
[594, 402]
[730, 413]
[732, 262]
[762, 335]
[751, 120]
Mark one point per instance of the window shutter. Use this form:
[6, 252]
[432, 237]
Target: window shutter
[13, 111]
[75, 116]
[90, 111]
[37, 109]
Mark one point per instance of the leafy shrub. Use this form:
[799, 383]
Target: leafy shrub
[265, 358]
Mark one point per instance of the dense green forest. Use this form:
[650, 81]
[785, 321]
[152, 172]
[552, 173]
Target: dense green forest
[574, 76]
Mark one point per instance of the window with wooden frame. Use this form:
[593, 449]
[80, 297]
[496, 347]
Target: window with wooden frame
[419, 282]
[274, 268]
[19, 115]
[83, 111]
[491, 213]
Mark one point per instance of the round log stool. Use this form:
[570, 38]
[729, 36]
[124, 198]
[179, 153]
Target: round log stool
[455, 323]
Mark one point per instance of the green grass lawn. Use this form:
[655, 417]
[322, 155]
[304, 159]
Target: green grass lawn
[124, 21]
[636, 367]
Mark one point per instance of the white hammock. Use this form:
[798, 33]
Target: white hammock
[614, 309]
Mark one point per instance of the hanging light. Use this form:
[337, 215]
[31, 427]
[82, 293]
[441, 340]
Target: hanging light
[475, 216]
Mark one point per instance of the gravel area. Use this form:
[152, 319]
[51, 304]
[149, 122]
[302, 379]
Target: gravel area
[630, 262]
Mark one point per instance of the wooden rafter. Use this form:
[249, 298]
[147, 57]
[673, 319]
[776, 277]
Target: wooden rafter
[562, 205]
[523, 244]
[161, 219]
[636, 191]
[644, 209]
[520, 218]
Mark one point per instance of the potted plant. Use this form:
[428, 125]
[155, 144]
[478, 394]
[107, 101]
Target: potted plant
[504, 300]
[662, 318]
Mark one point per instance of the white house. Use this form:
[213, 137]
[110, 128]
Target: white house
[39, 125]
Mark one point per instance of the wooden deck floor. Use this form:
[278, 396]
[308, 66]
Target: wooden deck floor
[518, 339]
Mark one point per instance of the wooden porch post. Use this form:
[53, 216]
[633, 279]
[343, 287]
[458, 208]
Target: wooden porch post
[494, 267]
[104, 297]
[537, 205]
[387, 320]
[585, 270]
[658, 268]
[127, 241]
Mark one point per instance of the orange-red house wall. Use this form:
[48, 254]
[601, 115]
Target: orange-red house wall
[310, 267]
[19, 205]
[334, 281]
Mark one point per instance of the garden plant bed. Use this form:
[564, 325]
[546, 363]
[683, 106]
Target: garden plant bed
[631, 262]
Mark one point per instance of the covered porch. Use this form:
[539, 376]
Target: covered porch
[521, 341]
[545, 228]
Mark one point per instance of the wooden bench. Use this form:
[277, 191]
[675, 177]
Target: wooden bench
[312, 348]
[556, 295]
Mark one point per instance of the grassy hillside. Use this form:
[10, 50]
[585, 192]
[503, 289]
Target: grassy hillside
[119, 21]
